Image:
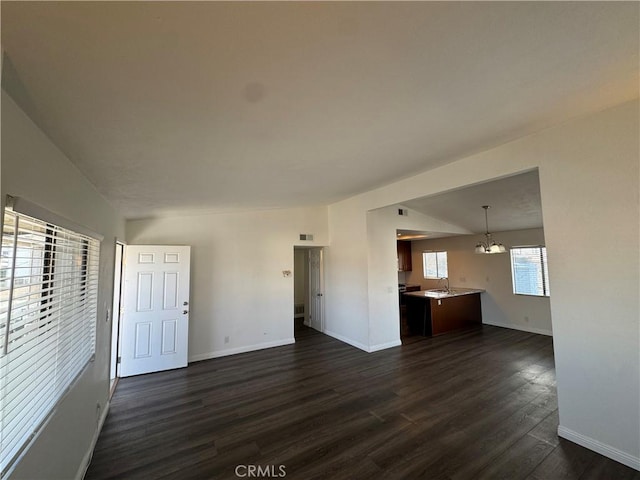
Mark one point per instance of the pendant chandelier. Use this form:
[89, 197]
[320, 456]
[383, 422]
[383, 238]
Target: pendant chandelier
[489, 245]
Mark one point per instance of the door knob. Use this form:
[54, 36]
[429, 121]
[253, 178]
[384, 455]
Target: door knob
[184, 312]
[185, 303]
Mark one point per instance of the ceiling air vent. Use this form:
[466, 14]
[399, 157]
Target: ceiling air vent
[306, 236]
[403, 211]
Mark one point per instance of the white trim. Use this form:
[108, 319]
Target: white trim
[523, 328]
[361, 346]
[86, 460]
[234, 351]
[599, 447]
[346, 340]
[384, 346]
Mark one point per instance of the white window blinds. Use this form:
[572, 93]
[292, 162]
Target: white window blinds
[529, 271]
[48, 304]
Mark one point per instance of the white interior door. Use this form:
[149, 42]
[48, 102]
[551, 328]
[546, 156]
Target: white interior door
[155, 320]
[316, 289]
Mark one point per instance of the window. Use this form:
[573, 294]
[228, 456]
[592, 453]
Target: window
[434, 264]
[48, 308]
[529, 271]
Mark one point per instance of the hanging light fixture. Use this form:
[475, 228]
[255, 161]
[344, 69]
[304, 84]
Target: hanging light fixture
[489, 246]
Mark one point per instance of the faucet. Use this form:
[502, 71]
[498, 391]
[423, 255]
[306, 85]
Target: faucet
[446, 279]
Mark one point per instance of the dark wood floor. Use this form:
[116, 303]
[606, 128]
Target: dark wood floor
[479, 404]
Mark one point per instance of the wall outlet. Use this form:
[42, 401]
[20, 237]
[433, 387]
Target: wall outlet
[226, 339]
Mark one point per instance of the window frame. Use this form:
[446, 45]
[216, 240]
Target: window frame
[543, 265]
[437, 254]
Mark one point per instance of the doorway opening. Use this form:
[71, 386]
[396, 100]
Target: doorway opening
[116, 309]
[308, 290]
[300, 290]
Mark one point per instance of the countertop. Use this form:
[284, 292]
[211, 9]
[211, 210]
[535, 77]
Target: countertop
[437, 293]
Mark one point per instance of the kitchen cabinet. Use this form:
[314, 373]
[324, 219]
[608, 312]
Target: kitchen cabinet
[404, 255]
[402, 289]
[429, 316]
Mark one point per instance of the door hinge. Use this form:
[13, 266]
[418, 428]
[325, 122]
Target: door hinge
[119, 360]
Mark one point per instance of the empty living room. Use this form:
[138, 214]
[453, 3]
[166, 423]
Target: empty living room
[320, 240]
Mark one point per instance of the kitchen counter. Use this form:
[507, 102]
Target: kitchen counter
[434, 312]
[440, 293]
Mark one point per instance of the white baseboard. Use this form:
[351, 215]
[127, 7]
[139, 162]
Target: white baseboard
[361, 346]
[384, 346]
[86, 460]
[353, 343]
[599, 447]
[523, 328]
[234, 351]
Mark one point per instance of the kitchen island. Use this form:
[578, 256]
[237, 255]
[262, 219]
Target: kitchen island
[434, 312]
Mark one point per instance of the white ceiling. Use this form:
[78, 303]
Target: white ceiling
[175, 106]
[514, 204]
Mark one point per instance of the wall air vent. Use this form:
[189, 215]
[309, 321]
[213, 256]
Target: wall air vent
[403, 212]
[306, 236]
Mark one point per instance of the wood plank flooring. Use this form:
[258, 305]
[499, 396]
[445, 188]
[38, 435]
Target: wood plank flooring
[479, 404]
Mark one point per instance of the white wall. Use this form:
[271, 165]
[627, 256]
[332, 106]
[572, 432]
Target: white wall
[492, 273]
[35, 169]
[589, 170]
[237, 286]
[382, 224]
[361, 282]
[382, 295]
[346, 275]
[590, 196]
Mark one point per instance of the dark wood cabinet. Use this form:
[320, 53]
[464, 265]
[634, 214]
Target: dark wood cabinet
[418, 315]
[435, 316]
[406, 289]
[404, 255]
[455, 313]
